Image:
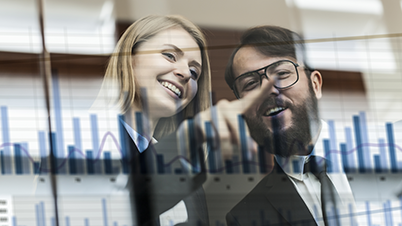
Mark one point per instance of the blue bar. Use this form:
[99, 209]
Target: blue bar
[42, 212]
[391, 147]
[67, 221]
[43, 153]
[38, 216]
[345, 163]
[211, 152]
[86, 220]
[296, 166]
[333, 146]
[17, 159]
[388, 213]
[383, 155]
[327, 155]
[229, 166]
[53, 221]
[349, 149]
[178, 171]
[55, 164]
[243, 144]
[58, 117]
[115, 224]
[377, 164]
[95, 144]
[6, 141]
[78, 146]
[160, 164]
[104, 210]
[36, 167]
[3, 170]
[108, 162]
[351, 215]
[360, 157]
[124, 154]
[236, 164]
[365, 141]
[140, 127]
[400, 204]
[14, 219]
[368, 214]
[72, 164]
[90, 167]
[193, 147]
[26, 163]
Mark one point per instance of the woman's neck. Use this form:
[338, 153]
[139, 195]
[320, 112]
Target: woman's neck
[141, 122]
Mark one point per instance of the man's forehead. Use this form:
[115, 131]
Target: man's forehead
[248, 58]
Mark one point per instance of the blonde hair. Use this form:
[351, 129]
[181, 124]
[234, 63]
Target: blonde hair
[119, 73]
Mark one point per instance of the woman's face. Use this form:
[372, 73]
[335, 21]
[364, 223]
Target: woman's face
[167, 67]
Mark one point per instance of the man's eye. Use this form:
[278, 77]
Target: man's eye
[170, 56]
[250, 85]
[283, 74]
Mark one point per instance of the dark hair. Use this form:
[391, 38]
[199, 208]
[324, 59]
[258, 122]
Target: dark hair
[271, 41]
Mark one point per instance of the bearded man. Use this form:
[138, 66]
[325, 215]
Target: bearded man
[300, 190]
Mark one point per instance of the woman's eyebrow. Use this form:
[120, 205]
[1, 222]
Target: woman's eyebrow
[195, 63]
[180, 52]
[176, 49]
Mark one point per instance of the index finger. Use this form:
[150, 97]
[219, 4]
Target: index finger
[255, 97]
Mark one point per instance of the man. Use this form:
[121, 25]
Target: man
[285, 122]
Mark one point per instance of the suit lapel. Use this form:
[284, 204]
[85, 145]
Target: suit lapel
[284, 197]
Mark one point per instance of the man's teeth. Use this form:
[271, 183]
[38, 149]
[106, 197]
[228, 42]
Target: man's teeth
[274, 110]
[172, 87]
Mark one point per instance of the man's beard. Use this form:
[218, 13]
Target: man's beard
[294, 140]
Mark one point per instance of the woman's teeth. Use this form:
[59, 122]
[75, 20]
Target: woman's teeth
[274, 111]
[172, 87]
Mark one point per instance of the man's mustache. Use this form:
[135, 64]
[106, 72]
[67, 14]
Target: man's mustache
[274, 102]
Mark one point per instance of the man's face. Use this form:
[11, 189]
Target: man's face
[285, 122]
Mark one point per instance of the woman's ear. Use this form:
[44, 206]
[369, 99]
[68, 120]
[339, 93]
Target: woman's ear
[316, 81]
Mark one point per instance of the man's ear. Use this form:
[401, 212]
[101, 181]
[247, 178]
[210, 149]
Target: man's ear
[316, 81]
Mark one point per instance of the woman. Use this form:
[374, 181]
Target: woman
[159, 75]
[153, 53]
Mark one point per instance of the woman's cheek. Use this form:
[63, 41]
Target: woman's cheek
[193, 88]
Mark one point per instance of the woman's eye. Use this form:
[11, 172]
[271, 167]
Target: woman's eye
[194, 73]
[170, 56]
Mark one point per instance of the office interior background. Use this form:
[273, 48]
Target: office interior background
[355, 44]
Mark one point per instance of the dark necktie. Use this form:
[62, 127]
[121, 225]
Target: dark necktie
[329, 196]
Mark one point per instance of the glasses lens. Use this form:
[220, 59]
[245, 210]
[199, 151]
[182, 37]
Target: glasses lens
[285, 73]
[246, 83]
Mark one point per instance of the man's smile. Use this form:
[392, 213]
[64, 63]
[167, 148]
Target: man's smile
[274, 111]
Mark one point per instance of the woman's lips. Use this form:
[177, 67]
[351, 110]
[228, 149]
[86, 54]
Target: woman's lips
[172, 89]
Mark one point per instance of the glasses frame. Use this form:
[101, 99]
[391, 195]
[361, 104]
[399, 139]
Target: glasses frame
[265, 74]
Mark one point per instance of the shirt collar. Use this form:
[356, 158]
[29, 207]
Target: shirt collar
[141, 142]
[293, 166]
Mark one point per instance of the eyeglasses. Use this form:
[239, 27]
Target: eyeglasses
[285, 72]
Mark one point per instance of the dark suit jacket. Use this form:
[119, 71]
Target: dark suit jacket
[273, 201]
[153, 194]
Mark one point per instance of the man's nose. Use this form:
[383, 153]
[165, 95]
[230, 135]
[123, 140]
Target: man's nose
[273, 90]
